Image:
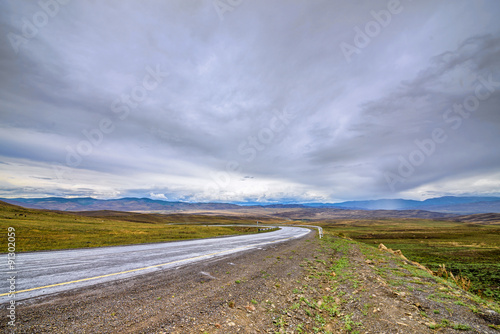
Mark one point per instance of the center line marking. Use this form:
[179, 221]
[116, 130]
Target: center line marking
[139, 269]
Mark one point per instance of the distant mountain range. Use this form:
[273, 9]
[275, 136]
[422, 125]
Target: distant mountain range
[447, 204]
[122, 204]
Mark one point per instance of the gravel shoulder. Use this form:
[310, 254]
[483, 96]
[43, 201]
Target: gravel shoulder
[308, 285]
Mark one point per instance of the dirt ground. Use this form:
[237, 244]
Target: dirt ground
[331, 285]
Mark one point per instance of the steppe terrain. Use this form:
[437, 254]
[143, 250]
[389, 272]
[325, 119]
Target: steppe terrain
[345, 282]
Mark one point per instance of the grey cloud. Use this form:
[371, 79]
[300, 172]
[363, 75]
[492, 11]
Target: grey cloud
[226, 81]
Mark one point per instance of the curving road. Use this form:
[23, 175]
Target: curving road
[41, 273]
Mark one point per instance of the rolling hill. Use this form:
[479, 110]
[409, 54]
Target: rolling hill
[446, 204]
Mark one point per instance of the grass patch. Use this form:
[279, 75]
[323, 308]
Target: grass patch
[48, 230]
[468, 251]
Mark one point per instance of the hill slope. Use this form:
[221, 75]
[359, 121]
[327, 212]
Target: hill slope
[122, 204]
[48, 230]
[446, 204]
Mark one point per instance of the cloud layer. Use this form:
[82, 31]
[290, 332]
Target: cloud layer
[251, 100]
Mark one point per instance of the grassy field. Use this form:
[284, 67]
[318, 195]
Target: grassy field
[46, 230]
[472, 250]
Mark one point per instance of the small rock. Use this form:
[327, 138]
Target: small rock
[231, 324]
[382, 247]
[250, 308]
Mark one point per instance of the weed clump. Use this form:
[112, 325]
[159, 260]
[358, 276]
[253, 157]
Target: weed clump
[461, 281]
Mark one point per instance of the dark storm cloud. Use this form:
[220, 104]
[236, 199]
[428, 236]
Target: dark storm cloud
[457, 96]
[266, 88]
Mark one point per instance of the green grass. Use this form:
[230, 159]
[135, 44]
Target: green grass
[471, 250]
[47, 230]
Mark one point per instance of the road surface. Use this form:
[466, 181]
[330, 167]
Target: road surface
[41, 273]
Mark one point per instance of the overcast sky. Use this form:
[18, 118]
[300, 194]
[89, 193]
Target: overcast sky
[249, 100]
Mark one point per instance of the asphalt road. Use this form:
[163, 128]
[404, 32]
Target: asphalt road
[41, 273]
